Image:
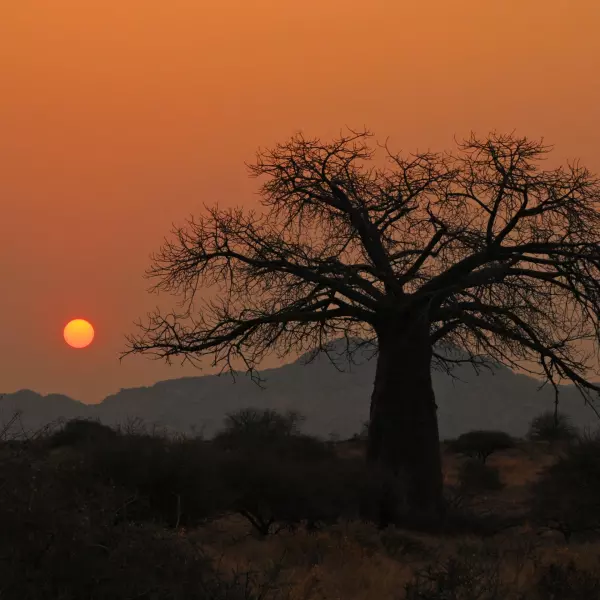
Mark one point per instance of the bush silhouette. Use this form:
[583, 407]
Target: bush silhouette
[171, 482]
[475, 476]
[280, 482]
[59, 540]
[567, 495]
[287, 488]
[260, 466]
[251, 428]
[257, 423]
[279, 479]
[481, 444]
[81, 431]
[546, 428]
[272, 492]
[295, 482]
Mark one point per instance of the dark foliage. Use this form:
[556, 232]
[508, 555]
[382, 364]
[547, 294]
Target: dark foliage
[459, 578]
[481, 444]
[171, 482]
[77, 432]
[547, 428]
[294, 482]
[567, 582]
[567, 495]
[273, 477]
[251, 429]
[475, 476]
[272, 492]
[261, 423]
[86, 520]
[461, 517]
[59, 540]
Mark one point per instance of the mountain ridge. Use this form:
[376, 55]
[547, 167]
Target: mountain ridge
[332, 401]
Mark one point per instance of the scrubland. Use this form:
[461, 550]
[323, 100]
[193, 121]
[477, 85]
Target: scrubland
[264, 512]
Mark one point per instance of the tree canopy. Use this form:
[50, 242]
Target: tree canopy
[503, 254]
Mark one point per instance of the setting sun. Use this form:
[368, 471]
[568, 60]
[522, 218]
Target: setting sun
[78, 333]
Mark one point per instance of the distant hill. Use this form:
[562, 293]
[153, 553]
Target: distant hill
[332, 401]
[36, 410]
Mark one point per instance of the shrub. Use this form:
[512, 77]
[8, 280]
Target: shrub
[175, 483]
[77, 432]
[548, 429]
[271, 492]
[302, 447]
[59, 540]
[260, 424]
[250, 429]
[465, 578]
[282, 481]
[475, 476]
[560, 582]
[462, 518]
[481, 444]
[282, 490]
[567, 495]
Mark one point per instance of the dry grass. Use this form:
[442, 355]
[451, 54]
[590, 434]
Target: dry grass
[355, 561]
[350, 562]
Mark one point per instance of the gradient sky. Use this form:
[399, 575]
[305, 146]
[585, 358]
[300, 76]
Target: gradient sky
[120, 117]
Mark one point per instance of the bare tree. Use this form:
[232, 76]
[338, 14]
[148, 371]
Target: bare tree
[478, 249]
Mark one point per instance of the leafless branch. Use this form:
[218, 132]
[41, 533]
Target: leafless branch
[501, 256]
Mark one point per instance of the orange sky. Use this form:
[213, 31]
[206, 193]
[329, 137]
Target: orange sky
[119, 117]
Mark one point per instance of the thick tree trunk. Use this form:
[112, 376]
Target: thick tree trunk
[403, 430]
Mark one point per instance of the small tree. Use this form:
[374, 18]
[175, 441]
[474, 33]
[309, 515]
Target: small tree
[254, 422]
[82, 431]
[481, 444]
[479, 249]
[552, 427]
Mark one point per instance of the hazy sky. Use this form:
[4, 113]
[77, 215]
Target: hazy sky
[120, 117]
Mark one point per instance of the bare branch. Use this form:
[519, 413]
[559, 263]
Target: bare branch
[500, 256]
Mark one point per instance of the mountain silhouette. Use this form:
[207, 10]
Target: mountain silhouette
[333, 401]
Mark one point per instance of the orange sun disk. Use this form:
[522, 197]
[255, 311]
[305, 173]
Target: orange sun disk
[78, 333]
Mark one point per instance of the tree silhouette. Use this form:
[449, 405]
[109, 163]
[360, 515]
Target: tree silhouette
[478, 249]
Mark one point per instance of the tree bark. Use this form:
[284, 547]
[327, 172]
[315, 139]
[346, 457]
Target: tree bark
[403, 429]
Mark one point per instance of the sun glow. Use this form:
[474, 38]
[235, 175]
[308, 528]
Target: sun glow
[78, 333]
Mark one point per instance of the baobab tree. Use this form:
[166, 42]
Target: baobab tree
[478, 249]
